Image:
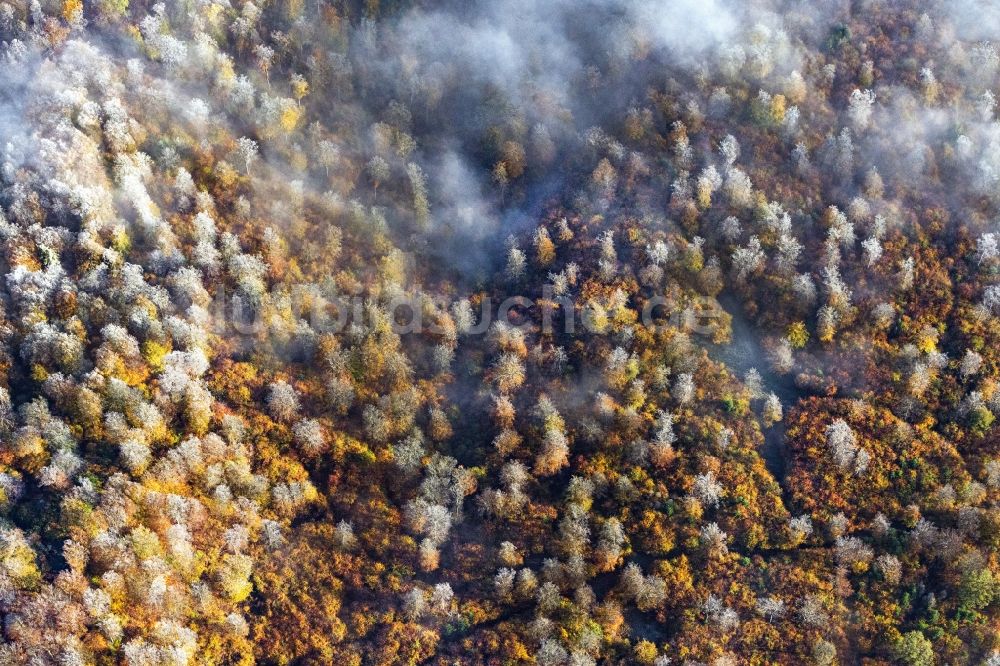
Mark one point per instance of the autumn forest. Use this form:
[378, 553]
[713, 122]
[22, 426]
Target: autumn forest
[499, 332]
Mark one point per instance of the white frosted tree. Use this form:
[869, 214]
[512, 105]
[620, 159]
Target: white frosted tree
[283, 401]
[247, 151]
[309, 437]
[860, 107]
[713, 539]
[987, 248]
[749, 259]
[800, 527]
[782, 356]
[729, 148]
[771, 608]
[415, 604]
[772, 412]
[971, 363]
[872, 249]
[683, 389]
[843, 445]
[327, 154]
[516, 263]
[707, 489]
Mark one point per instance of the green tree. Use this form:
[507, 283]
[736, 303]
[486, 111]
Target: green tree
[913, 649]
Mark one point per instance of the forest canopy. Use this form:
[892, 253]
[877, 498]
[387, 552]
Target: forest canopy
[558, 333]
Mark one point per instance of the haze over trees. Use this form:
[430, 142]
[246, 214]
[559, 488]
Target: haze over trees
[516, 332]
